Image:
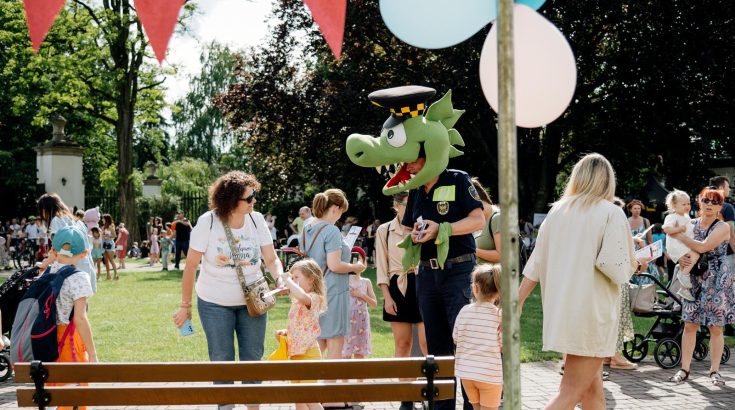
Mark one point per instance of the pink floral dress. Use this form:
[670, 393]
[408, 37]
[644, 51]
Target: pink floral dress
[303, 326]
[358, 341]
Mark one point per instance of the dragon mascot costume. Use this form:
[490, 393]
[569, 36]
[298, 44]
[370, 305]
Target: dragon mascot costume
[443, 207]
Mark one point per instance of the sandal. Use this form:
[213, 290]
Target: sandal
[717, 379]
[680, 377]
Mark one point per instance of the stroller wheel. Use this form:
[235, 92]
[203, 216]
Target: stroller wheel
[725, 355]
[700, 351]
[667, 353]
[6, 370]
[637, 349]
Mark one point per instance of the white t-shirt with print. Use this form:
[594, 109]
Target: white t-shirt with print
[674, 247]
[75, 287]
[218, 282]
[16, 230]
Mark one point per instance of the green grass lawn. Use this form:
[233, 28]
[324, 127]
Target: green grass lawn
[132, 321]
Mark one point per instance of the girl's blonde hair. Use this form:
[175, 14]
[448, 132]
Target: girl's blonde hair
[487, 279]
[325, 200]
[313, 272]
[592, 180]
[673, 198]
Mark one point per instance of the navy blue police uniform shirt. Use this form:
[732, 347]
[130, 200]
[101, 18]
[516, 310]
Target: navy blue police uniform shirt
[451, 199]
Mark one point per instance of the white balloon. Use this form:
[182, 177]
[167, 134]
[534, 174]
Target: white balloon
[545, 69]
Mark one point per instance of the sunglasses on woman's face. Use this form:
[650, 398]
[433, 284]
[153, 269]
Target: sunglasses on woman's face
[250, 198]
[708, 201]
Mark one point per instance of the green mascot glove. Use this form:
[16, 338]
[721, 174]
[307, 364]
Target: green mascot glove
[442, 242]
[412, 256]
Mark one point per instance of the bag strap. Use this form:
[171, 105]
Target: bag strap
[313, 241]
[233, 251]
[706, 234]
[387, 246]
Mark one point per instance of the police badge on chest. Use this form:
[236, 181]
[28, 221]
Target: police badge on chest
[442, 207]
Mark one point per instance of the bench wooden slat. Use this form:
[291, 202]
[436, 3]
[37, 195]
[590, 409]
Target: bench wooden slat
[229, 371]
[217, 394]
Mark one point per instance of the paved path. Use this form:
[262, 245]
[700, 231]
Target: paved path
[645, 388]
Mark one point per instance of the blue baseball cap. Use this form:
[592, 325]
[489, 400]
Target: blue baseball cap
[72, 235]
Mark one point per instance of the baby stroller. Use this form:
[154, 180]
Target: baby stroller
[11, 291]
[666, 331]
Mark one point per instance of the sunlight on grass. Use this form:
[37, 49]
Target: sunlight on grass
[132, 321]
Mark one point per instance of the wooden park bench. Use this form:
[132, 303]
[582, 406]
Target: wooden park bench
[128, 384]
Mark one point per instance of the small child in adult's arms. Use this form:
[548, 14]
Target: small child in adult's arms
[678, 221]
[477, 334]
[305, 283]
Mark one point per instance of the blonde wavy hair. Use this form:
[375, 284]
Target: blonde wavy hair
[311, 271]
[592, 180]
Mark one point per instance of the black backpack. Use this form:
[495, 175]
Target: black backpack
[33, 336]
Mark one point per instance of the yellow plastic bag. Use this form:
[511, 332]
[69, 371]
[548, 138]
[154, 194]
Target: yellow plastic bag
[281, 353]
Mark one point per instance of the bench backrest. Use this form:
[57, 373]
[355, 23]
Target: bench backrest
[129, 380]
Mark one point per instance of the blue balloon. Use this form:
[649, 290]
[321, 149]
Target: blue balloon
[534, 4]
[436, 23]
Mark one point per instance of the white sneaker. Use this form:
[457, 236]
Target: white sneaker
[685, 281]
[685, 294]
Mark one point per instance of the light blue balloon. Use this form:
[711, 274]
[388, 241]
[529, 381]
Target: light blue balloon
[436, 23]
[534, 4]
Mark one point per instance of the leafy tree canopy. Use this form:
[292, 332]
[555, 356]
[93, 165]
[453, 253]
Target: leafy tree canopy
[654, 94]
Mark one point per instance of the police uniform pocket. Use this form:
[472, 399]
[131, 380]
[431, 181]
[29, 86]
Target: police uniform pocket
[467, 292]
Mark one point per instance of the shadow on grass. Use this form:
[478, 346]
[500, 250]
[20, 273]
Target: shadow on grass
[172, 275]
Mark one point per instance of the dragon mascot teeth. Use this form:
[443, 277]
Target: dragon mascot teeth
[406, 133]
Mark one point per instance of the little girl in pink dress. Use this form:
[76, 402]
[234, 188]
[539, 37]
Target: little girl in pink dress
[358, 342]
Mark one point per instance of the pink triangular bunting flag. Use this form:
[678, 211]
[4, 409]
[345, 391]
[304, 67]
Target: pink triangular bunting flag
[330, 16]
[159, 20]
[40, 15]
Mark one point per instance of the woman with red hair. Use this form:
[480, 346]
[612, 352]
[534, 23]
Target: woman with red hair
[714, 301]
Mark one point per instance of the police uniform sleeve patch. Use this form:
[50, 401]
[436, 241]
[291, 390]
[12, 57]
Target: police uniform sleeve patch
[473, 193]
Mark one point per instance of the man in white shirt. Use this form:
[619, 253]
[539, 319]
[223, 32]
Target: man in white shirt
[14, 231]
[32, 232]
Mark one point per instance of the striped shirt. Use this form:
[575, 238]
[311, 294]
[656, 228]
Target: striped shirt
[477, 336]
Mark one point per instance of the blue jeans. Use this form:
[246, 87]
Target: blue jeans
[442, 293]
[181, 246]
[223, 323]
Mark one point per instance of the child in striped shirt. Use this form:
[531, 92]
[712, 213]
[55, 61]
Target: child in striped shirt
[477, 334]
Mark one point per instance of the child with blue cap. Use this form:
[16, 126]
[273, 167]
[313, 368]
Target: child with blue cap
[74, 333]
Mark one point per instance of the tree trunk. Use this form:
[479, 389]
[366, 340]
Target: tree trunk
[126, 186]
[551, 145]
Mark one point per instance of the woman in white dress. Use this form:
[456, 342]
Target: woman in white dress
[583, 253]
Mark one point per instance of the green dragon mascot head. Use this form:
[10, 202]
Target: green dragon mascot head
[408, 134]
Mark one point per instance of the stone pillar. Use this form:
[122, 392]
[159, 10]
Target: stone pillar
[59, 165]
[151, 185]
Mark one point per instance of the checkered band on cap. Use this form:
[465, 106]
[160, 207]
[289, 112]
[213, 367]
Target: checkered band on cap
[409, 111]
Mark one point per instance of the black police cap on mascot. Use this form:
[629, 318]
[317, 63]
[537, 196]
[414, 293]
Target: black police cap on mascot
[403, 102]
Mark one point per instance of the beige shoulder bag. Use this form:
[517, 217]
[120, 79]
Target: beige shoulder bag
[257, 304]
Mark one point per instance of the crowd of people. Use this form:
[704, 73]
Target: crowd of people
[450, 292]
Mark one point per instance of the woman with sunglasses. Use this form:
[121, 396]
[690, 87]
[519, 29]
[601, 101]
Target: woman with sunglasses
[714, 302]
[220, 299]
